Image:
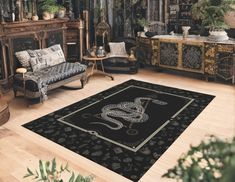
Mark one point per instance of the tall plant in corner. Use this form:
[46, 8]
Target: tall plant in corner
[211, 13]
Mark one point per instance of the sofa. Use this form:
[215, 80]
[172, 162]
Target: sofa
[43, 70]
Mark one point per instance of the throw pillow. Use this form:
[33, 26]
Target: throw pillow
[47, 57]
[23, 57]
[117, 49]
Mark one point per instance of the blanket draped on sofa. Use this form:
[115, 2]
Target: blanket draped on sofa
[47, 76]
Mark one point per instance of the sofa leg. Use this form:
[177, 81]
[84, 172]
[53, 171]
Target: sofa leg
[82, 83]
[15, 92]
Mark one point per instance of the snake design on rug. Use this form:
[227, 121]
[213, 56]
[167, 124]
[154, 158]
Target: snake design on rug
[133, 112]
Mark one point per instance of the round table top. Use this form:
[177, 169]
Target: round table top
[94, 58]
[21, 70]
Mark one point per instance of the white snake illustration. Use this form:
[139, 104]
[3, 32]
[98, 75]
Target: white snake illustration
[132, 112]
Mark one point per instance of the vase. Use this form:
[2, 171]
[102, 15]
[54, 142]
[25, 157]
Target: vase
[100, 52]
[61, 13]
[185, 31]
[47, 16]
[13, 17]
[35, 17]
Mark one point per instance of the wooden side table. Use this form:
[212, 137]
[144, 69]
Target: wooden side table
[4, 111]
[94, 69]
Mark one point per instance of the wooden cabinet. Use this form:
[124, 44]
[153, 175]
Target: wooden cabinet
[225, 62]
[18, 36]
[174, 53]
[73, 41]
[220, 60]
[213, 59]
[182, 54]
[144, 51]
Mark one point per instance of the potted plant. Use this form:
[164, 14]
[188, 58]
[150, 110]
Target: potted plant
[211, 13]
[211, 161]
[61, 12]
[143, 23]
[48, 8]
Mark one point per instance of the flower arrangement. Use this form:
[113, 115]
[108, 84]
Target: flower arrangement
[48, 172]
[210, 161]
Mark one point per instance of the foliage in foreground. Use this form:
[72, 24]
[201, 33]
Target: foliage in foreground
[210, 161]
[48, 172]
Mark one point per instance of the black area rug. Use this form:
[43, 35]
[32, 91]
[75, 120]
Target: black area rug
[125, 128]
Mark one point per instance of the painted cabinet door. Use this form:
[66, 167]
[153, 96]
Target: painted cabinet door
[225, 61]
[192, 57]
[169, 54]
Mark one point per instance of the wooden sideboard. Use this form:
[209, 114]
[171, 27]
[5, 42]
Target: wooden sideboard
[18, 36]
[192, 54]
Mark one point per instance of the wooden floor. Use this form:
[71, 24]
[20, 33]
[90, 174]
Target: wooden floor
[21, 148]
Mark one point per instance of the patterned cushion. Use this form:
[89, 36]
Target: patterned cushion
[117, 49]
[23, 57]
[43, 58]
[60, 72]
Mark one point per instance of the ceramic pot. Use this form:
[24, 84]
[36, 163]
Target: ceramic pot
[35, 18]
[185, 31]
[218, 36]
[61, 13]
[47, 16]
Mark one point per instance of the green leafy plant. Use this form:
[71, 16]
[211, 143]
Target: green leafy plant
[48, 172]
[212, 12]
[210, 161]
[142, 22]
[50, 6]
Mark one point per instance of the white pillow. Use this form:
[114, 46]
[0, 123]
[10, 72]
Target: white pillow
[117, 49]
[24, 58]
[46, 57]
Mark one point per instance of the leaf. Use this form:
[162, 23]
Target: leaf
[80, 178]
[61, 168]
[27, 175]
[72, 178]
[89, 178]
[29, 171]
[41, 168]
[53, 167]
[36, 173]
[67, 167]
[47, 167]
